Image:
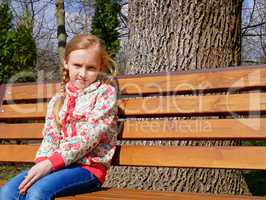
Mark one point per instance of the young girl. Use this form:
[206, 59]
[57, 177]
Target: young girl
[80, 129]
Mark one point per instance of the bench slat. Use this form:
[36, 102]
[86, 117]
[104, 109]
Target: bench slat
[117, 193]
[21, 131]
[195, 104]
[252, 128]
[163, 105]
[24, 111]
[204, 157]
[242, 77]
[31, 91]
[237, 77]
[18, 153]
[249, 128]
[124, 193]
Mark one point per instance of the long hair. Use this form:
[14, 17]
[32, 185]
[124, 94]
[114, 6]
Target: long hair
[83, 41]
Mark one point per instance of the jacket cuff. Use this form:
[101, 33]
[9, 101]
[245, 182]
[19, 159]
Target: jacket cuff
[42, 158]
[57, 161]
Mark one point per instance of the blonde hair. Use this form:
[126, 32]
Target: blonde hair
[83, 41]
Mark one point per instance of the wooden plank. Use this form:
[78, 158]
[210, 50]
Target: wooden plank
[117, 193]
[232, 77]
[202, 157]
[180, 105]
[18, 153]
[31, 91]
[24, 111]
[248, 129]
[186, 195]
[194, 104]
[80, 198]
[21, 131]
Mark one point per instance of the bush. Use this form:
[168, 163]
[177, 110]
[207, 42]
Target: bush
[105, 23]
[17, 50]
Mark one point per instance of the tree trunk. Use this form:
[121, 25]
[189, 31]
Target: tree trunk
[170, 35]
[61, 32]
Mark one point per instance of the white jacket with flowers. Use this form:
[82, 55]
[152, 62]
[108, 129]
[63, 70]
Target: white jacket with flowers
[95, 119]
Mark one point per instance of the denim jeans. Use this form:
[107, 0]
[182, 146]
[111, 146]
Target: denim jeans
[70, 180]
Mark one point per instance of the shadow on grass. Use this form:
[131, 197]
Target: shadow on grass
[7, 172]
[256, 181]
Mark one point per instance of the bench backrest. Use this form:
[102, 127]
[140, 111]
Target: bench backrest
[220, 104]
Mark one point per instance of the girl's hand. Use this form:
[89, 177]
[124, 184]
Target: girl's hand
[35, 173]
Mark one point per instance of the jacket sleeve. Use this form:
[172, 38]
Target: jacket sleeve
[101, 120]
[51, 135]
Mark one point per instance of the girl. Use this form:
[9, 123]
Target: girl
[80, 129]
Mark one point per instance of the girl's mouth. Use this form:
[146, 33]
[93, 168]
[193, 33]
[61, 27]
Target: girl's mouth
[81, 81]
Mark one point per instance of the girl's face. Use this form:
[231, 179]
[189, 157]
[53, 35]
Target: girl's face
[84, 66]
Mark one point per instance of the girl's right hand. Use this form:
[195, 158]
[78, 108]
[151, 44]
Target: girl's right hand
[35, 173]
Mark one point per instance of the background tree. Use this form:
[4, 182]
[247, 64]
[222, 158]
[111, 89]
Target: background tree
[61, 31]
[17, 49]
[254, 32]
[105, 23]
[5, 18]
[168, 35]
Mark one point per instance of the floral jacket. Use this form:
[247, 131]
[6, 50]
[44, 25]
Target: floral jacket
[95, 120]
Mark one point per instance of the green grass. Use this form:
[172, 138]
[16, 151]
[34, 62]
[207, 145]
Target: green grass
[253, 143]
[256, 181]
[7, 171]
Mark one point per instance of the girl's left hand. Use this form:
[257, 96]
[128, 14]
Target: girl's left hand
[35, 173]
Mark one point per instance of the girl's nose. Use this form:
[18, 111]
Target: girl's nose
[82, 72]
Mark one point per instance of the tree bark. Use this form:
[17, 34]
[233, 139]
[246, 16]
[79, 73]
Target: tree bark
[61, 31]
[170, 35]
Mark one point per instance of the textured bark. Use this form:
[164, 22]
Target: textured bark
[170, 35]
[61, 32]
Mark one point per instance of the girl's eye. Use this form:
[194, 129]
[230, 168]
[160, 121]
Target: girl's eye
[89, 68]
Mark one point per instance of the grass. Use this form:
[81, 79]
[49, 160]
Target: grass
[256, 181]
[9, 171]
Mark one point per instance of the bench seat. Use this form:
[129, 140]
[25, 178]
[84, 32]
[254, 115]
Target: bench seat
[133, 194]
[233, 108]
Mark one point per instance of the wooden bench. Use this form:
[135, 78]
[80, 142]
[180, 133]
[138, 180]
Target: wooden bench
[219, 92]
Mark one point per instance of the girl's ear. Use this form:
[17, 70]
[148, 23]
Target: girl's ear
[65, 65]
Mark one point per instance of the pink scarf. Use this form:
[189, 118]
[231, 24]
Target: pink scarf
[73, 93]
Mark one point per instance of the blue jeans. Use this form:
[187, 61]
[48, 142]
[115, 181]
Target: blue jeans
[70, 180]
